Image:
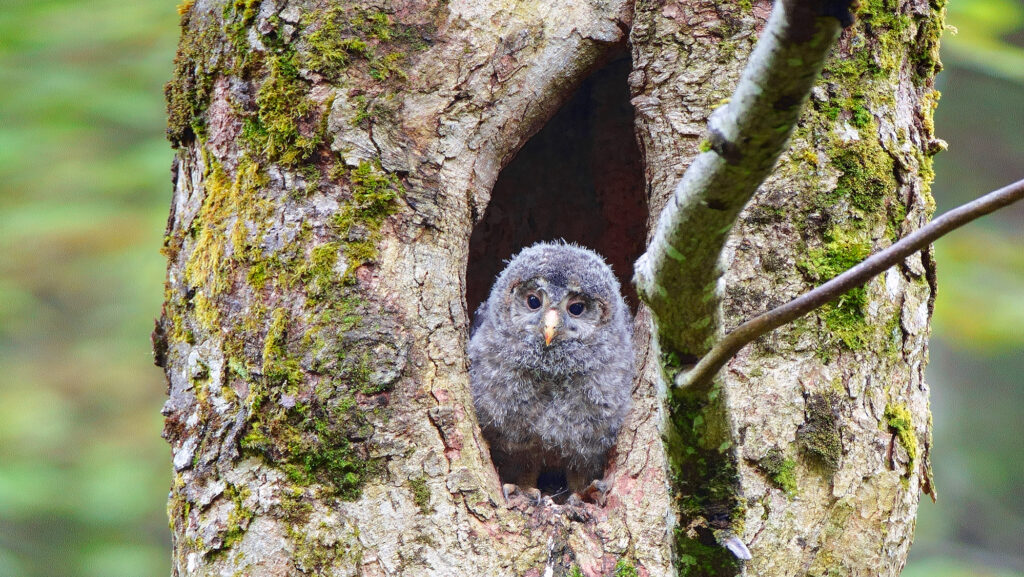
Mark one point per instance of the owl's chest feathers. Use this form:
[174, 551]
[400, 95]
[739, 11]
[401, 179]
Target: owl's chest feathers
[543, 389]
[561, 361]
[533, 404]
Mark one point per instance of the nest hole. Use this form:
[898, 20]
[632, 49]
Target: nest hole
[580, 178]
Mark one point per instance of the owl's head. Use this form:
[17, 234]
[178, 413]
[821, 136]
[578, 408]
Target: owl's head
[557, 294]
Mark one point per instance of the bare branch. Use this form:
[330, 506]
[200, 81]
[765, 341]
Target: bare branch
[678, 275]
[705, 370]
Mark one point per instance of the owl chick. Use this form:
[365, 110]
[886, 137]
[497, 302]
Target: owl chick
[551, 365]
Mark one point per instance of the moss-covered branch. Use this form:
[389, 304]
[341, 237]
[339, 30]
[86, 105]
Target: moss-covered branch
[678, 275]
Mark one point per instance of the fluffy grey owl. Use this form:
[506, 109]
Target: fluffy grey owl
[551, 365]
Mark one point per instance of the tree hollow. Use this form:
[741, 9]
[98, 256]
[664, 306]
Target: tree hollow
[580, 178]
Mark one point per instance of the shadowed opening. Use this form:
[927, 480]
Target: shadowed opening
[580, 179]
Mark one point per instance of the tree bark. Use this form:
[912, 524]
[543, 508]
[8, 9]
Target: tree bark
[812, 446]
[332, 161]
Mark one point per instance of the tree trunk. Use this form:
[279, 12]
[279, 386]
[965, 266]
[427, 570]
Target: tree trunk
[333, 161]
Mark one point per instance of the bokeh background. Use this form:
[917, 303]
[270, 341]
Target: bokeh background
[85, 192]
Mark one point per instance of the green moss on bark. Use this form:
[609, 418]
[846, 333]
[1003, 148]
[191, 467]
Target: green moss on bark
[301, 335]
[625, 568]
[820, 436]
[305, 414]
[318, 551]
[780, 470]
[285, 127]
[206, 313]
[845, 317]
[318, 275]
[338, 37]
[705, 483]
[421, 495]
[900, 422]
[191, 86]
[310, 428]
[227, 201]
[374, 198]
[239, 517]
[867, 175]
[312, 442]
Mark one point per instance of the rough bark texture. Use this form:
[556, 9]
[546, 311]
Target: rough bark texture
[812, 448]
[678, 275]
[332, 160]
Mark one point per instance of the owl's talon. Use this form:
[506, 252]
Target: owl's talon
[533, 494]
[596, 492]
[576, 510]
[509, 489]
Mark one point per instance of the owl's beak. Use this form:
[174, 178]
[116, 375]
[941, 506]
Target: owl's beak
[550, 324]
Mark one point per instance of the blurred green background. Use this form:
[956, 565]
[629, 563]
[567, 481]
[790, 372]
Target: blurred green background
[84, 195]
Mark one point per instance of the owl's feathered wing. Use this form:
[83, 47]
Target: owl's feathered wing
[478, 318]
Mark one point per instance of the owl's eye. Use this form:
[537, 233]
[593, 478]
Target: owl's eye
[576, 309]
[533, 302]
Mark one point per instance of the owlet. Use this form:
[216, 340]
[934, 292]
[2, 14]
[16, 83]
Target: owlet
[551, 365]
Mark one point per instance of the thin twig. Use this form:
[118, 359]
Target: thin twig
[709, 364]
